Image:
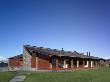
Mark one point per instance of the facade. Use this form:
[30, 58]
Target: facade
[39, 58]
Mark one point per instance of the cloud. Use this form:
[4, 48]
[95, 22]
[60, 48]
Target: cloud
[2, 58]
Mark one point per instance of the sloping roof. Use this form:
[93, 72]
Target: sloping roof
[18, 56]
[58, 52]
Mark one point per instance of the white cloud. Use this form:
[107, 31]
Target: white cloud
[2, 58]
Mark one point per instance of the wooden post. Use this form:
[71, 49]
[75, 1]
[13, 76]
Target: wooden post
[91, 63]
[77, 63]
[64, 66]
[72, 65]
[50, 61]
[87, 63]
[56, 63]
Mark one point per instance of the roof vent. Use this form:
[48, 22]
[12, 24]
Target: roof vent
[34, 46]
[27, 45]
[75, 51]
[55, 49]
[40, 47]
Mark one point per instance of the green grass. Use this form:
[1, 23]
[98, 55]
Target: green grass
[6, 76]
[99, 75]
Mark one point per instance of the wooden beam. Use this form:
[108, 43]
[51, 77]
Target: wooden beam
[72, 65]
[77, 63]
[56, 63]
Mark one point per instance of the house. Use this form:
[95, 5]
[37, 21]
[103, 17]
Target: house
[40, 58]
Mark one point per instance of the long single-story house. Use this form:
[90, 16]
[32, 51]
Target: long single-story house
[40, 58]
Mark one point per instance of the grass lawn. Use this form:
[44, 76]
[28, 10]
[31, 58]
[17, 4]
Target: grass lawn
[98, 75]
[6, 76]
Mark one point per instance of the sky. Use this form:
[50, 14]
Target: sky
[75, 25]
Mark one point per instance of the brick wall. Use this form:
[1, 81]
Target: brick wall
[33, 61]
[43, 62]
[16, 62]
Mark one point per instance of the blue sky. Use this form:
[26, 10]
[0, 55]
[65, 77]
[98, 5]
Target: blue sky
[75, 25]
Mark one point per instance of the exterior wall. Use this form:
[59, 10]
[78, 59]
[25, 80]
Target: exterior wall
[33, 61]
[16, 62]
[26, 60]
[36, 61]
[43, 62]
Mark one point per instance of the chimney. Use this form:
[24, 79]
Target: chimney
[89, 53]
[62, 51]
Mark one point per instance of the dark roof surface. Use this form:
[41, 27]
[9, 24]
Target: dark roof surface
[18, 56]
[58, 52]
